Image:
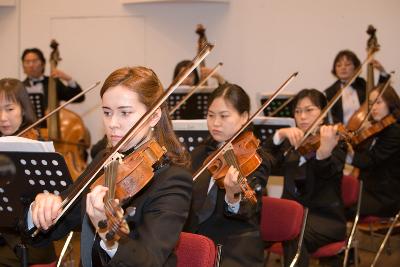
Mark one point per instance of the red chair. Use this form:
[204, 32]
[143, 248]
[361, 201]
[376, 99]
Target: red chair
[196, 251]
[365, 221]
[350, 196]
[351, 189]
[281, 220]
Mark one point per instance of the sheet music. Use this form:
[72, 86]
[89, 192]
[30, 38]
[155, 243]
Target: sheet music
[20, 144]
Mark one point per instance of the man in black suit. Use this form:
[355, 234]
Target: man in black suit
[36, 82]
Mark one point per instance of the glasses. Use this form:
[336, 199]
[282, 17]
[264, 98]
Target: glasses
[306, 111]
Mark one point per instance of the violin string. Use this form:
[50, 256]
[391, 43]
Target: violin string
[232, 161]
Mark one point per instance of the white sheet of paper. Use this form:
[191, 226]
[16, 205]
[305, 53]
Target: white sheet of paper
[20, 144]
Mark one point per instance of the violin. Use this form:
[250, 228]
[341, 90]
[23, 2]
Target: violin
[374, 129]
[125, 177]
[312, 142]
[31, 134]
[242, 154]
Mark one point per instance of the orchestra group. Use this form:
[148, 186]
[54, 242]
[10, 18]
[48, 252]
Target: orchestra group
[142, 187]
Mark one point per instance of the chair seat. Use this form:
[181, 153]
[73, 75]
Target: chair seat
[329, 250]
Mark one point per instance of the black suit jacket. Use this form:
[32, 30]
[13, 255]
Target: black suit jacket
[359, 85]
[320, 190]
[161, 211]
[237, 233]
[380, 169]
[64, 93]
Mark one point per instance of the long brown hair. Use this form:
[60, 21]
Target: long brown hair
[13, 90]
[146, 84]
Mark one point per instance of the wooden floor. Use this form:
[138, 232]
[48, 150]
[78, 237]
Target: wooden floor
[366, 255]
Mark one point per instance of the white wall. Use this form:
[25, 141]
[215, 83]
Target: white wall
[261, 42]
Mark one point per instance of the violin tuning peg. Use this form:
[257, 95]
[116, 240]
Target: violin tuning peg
[110, 235]
[102, 224]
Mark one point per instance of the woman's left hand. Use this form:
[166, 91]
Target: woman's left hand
[231, 185]
[329, 139]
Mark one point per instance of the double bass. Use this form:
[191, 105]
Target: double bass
[357, 119]
[65, 129]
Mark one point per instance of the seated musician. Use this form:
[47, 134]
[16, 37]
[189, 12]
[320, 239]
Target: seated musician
[33, 63]
[314, 179]
[16, 113]
[156, 214]
[223, 214]
[379, 160]
[344, 67]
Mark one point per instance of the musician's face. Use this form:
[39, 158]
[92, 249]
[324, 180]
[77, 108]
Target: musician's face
[305, 113]
[344, 68]
[379, 110]
[32, 65]
[10, 116]
[121, 110]
[189, 80]
[223, 120]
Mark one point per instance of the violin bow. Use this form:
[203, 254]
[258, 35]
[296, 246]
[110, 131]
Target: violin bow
[195, 88]
[58, 108]
[244, 126]
[335, 98]
[78, 187]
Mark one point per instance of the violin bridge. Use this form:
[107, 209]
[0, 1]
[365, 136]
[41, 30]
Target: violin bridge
[118, 156]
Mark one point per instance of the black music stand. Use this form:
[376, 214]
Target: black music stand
[37, 100]
[190, 132]
[36, 172]
[276, 103]
[265, 127]
[194, 108]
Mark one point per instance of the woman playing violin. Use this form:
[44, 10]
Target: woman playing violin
[161, 207]
[16, 113]
[380, 162]
[222, 214]
[312, 180]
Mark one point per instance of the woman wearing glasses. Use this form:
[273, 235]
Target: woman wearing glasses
[314, 179]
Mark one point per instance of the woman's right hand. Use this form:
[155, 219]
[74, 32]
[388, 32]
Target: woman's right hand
[45, 209]
[293, 134]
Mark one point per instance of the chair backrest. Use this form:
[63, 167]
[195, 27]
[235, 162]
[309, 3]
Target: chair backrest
[281, 219]
[195, 251]
[350, 190]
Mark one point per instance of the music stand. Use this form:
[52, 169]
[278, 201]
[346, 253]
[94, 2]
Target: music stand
[195, 107]
[36, 172]
[265, 127]
[190, 132]
[276, 103]
[37, 100]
